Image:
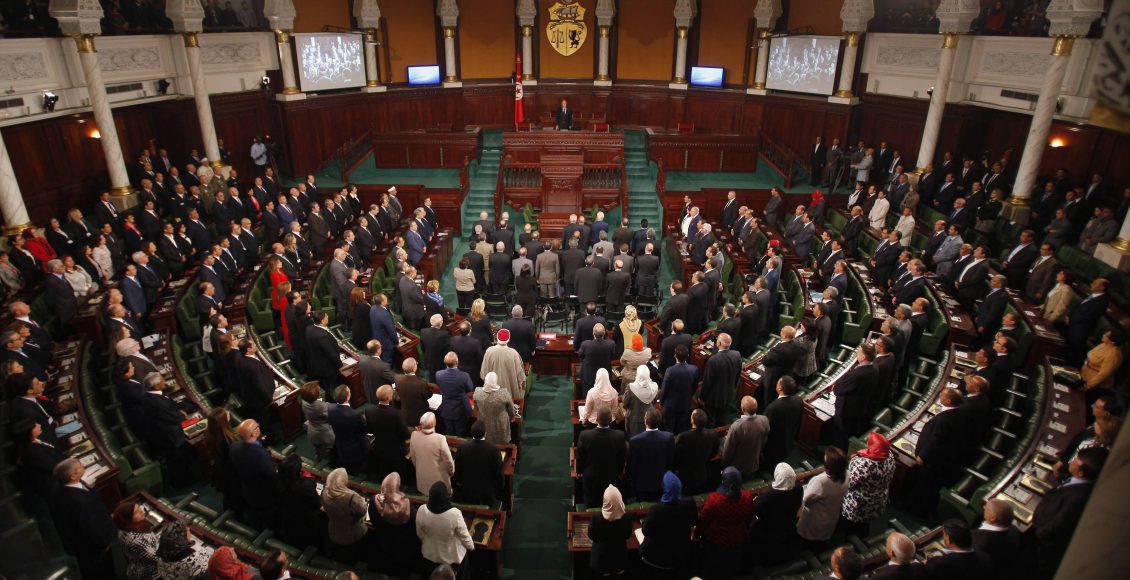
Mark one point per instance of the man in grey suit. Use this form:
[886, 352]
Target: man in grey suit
[863, 168]
[411, 300]
[319, 233]
[947, 252]
[521, 260]
[802, 239]
[1041, 275]
[339, 275]
[374, 371]
[744, 441]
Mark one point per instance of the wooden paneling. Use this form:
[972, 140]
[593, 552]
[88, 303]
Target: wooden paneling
[796, 121]
[578, 65]
[411, 36]
[722, 28]
[645, 40]
[899, 124]
[705, 152]
[486, 39]
[416, 149]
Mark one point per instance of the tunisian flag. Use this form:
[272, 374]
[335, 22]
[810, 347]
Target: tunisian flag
[518, 114]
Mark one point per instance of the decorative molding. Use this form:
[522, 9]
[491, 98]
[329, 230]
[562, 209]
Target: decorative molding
[130, 60]
[280, 14]
[767, 12]
[955, 16]
[605, 12]
[685, 12]
[855, 15]
[1072, 17]
[1112, 69]
[186, 15]
[229, 53]
[1015, 64]
[908, 57]
[367, 13]
[77, 16]
[527, 12]
[448, 13]
[23, 66]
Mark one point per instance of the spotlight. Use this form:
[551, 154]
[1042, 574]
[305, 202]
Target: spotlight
[163, 87]
[265, 83]
[49, 101]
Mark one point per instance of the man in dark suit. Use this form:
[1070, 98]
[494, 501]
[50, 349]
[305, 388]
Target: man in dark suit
[257, 386]
[730, 209]
[1059, 512]
[779, 362]
[698, 307]
[322, 354]
[784, 414]
[374, 371]
[454, 385]
[478, 469]
[745, 439]
[764, 301]
[523, 337]
[414, 393]
[900, 564]
[914, 286]
[411, 300]
[436, 343]
[583, 331]
[650, 455]
[1084, 318]
[29, 404]
[600, 457]
[731, 324]
[59, 295]
[720, 377]
[817, 160]
[82, 521]
[969, 281]
[588, 282]
[671, 343]
[1000, 541]
[564, 117]
[389, 431]
[990, 312]
[618, 282]
[470, 350]
[675, 308]
[694, 447]
[885, 258]
[959, 559]
[165, 435]
[351, 444]
[256, 473]
[572, 260]
[678, 388]
[749, 336]
[853, 392]
[384, 329]
[886, 368]
[939, 452]
[595, 354]
[207, 274]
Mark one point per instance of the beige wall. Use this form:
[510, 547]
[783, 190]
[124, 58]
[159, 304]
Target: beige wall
[645, 45]
[486, 39]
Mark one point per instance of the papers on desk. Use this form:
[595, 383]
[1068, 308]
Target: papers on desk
[639, 535]
[434, 401]
[581, 411]
[68, 418]
[281, 390]
[1057, 427]
[753, 375]
[816, 296]
[92, 473]
[825, 407]
[547, 336]
[346, 360]
[147, 342]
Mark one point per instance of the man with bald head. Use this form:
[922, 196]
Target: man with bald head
[256, 473]
[595, 354]
[389, 431]
[779, 362]
[745, 439]
[900, 560]
[454, 384]
[720, 380]
[998, 539]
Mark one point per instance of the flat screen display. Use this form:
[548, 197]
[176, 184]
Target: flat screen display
[707, 76]
[329, 61]
[423, 75]
[803, 64]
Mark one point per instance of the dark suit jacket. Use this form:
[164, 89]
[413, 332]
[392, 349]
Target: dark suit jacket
[618, 282]
[1055, 519]
[257, 384]
[720, 377]
[389, 432]
[750, 332]
[256, 474]
[564, 119]
[852, 394]
[650, 455]
[991, 311]
[674, 309]
[939, 444]
[163, 416]
[322, 354]
[779, 362]
[523, 338]
[912, 571]
[478, 472]
[697, 309]
[84, 525]
[693, 450]
[436, 343]
[972, 565]
[678, 388]
[374, 373]
[61, 298]
[1003, 550]
[582, 333]
[350, 442]
[594, 355]
[784, 416]
[42, 413]
[454, 384]
[668, 346]
[601, 454]
[1084, 318]
[414, 394]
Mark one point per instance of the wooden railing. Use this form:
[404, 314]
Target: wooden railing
[660, 178]
[351, 153]
[523, 179]
[780, 158]
[465, 176]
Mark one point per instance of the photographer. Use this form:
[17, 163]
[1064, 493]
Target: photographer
[259, 156]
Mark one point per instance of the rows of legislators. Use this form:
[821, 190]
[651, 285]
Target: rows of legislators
[657, 439]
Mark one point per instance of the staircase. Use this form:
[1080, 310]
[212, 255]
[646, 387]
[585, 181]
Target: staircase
[642, 201]
[484, 180]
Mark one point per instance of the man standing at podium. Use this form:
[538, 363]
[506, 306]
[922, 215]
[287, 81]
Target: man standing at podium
[564, 116]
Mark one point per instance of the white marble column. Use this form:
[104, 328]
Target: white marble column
[847, 71]
[12, 205]
[1116, 253]
[286, 66]
[680, 80]
[203, 104]
[527, 54]
[937, 101]
[602, 77]
[1018, 203]
[372, 77]
[762, 66]
[120, 190]
[450, 80]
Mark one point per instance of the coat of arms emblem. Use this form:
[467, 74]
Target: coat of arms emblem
[566, 29]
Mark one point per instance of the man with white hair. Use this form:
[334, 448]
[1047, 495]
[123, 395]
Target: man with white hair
[59, 294]
[567, 233]
[429, 453]
[523, 337]
[129, 350]
[419, 217]
[485, 222]
[501, 271]
[598, 226]
[900, 564]
[85, 527]
[506, 363]
[395, 209]
[164, 434]
[436, 342]
[503, 233]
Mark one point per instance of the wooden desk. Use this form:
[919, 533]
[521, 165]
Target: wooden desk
[904, 435]
[962, 329]
[819, 407]
[555, 356]
[528, 146]
[703, 152]
[509, 460]
[1047, 342]
[440, 149]
[1062, 418]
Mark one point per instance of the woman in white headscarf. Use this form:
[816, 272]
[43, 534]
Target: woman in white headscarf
[775, 511]
[495, 408]
[609, 533]
[601, 396]
[638, 398]
[345, 509]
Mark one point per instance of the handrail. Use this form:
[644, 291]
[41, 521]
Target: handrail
[347, 155]
[660, 178]
[623, 189]
[780, 158]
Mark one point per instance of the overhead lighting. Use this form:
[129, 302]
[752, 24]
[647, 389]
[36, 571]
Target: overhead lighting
[49, 101]
[1056, 143]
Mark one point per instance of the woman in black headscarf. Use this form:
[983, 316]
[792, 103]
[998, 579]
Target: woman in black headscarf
[667, 531]
[723, 525]
[443, 533]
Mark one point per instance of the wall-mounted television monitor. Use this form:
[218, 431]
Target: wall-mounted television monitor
[423, 75]
[803, 64]
[707, 76]
[330, 61]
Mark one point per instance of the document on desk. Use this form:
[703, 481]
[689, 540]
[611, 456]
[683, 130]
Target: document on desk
[434, 401]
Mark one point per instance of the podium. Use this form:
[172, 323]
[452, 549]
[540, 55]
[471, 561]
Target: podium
[561, 181]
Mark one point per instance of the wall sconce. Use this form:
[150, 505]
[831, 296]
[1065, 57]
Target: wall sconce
[49, 101]
[1056, 143]
[94, 134]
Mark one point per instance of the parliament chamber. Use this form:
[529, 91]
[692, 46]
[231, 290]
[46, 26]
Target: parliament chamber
[564, 289]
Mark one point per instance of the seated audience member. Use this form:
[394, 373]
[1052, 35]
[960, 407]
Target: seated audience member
[775, 511]
[958, 559]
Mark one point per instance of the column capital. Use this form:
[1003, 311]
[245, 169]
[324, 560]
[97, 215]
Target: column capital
[1112, 108]
[367, 13]
[279, 14]
[191, 40]
[855, 14]
[605, 12]
[527, 12]
[767, 12]
[85, 42]
[77, 17]
[957, 15]
[186, 15]
[448, 12]
[1072, 17]
[685, 12]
